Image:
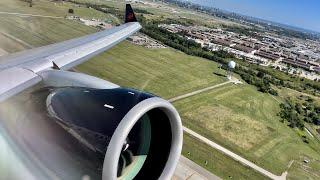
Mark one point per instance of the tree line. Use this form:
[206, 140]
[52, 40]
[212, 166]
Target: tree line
[296, 113]
[258, 79]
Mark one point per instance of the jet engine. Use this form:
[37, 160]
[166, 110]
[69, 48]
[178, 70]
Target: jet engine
[136, 135]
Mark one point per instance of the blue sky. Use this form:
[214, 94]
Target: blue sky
[300, 13]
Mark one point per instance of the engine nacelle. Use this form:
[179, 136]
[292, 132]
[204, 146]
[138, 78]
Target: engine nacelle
[137, 134]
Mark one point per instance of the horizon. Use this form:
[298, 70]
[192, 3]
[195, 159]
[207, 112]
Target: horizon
[283, 12]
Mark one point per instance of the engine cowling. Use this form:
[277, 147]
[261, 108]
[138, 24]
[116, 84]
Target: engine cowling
[136, 134]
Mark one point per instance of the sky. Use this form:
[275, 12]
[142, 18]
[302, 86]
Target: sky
[300, 13]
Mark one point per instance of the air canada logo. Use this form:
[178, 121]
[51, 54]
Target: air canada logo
[130, 17]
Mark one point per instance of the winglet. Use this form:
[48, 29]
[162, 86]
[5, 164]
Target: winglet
[129, 17]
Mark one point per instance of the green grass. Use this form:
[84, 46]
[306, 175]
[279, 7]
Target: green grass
[300, 170]
[164, 72]
[290, 93]
[10, 45]
[218, 163]
[38, 31]
[49, 8]
[234, 112]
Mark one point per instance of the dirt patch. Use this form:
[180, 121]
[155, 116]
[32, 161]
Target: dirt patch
[239, 129]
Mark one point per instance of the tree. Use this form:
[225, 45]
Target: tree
[273, 92]
[29, 1]
[299, 108]
[71, 11]
[310, 99]
[289, 114]
[304, 139]
[316, 120]
[261, 74]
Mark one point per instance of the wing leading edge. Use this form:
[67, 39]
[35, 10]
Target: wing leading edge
[20, 70]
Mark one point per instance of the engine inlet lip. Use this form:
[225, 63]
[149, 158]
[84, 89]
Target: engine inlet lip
[110, 163]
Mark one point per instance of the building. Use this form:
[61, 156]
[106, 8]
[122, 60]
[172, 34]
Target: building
[267, 55]
[295, 63]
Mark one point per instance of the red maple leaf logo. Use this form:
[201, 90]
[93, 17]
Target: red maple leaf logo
[130, 16]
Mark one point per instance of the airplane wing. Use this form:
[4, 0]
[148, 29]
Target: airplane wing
[20, 70]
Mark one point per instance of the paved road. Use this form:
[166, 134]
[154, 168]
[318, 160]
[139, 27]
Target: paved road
[309, 132]
[188, 170]
[33, 15]
[275, 98]
[198, 92]
[234, 156]
[233, 80]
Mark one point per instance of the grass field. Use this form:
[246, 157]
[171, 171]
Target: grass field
[164, 72]
[290, 93]
[40, 31]
[229, 113]
[9, 45]
[246, 122]
[300, 170]
[60, 9]
[37, 31]
[222, 165]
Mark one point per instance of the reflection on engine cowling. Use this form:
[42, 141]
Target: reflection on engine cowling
[92, 115]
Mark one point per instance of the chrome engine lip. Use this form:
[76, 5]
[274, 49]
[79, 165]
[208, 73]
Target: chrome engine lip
[110, 163]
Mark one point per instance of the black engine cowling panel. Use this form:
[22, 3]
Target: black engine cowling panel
[98, 110]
